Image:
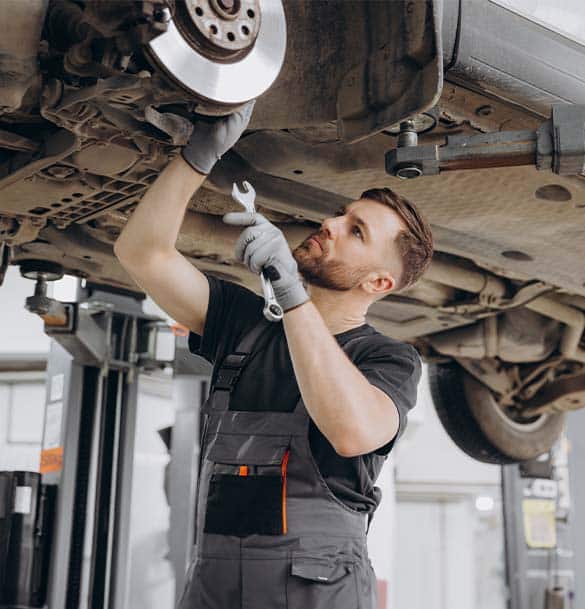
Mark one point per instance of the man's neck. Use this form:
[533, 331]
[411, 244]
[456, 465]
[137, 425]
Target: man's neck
[341, 311]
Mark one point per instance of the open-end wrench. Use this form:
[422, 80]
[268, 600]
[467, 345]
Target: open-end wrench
[272, 310]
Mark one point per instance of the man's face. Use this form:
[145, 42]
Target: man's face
[357, 241]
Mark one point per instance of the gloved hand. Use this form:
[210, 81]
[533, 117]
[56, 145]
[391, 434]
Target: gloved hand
[210, 140]
[262, 246]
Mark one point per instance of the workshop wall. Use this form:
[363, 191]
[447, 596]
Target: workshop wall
[22, 395]
[21, 423]
[449, 530]
[20, 331]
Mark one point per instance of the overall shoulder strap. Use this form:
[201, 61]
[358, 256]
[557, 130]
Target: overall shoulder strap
[230, 368]
[249, 339]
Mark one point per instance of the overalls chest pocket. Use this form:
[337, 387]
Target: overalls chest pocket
[247, 488]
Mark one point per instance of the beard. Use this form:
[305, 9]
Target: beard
[329, 274]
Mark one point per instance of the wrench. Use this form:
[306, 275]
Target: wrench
[272, 310]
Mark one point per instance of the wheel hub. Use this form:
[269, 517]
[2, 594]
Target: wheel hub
[223, 27]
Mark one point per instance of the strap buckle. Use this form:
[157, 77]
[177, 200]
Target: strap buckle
[229, 371]
[235, 360]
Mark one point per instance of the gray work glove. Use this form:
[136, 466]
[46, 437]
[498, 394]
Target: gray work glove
[210, 140]
[263, 247]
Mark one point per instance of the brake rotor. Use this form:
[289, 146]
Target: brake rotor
[225, 52]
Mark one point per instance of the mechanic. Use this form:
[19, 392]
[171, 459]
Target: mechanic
[303, 412]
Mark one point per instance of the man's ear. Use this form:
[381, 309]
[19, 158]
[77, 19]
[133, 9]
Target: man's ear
[379, 283]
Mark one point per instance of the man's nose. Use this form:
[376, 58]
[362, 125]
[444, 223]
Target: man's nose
[329, 228]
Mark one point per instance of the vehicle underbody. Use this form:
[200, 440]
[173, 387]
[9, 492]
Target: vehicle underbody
[89, 117]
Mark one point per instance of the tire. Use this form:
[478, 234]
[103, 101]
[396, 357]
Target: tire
[478, 426]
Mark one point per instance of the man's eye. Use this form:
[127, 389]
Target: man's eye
[357, 231]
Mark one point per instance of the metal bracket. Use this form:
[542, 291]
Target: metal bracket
[561, 141]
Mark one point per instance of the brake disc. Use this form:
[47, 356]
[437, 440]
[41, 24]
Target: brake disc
[225, 52]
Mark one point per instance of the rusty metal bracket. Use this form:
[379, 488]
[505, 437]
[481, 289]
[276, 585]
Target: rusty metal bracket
[176, 127]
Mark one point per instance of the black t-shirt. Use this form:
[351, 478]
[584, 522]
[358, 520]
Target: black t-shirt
[391, 365]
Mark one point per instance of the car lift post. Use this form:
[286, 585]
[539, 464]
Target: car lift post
[576, 437]
[100, 343]
[540, 525]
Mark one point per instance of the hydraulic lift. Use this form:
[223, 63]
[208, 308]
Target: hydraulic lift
[66, 538]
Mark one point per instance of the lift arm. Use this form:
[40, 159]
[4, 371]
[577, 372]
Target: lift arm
[558, 146]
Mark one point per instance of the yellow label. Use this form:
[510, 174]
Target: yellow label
[540, 528]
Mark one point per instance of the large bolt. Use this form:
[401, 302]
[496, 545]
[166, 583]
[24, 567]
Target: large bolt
[408, 138]
[226, 9]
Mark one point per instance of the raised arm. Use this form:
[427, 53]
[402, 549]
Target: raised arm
[146, 246]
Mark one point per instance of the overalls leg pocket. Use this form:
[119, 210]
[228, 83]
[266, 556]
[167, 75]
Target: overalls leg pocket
[322, 581]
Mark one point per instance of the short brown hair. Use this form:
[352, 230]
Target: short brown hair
[415, 243]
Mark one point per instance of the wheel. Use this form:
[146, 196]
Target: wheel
[471, 416]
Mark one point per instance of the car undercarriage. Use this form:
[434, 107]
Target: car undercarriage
[94, 105]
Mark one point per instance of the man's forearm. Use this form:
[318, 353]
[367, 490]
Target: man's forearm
[355, 416]
[155, 223]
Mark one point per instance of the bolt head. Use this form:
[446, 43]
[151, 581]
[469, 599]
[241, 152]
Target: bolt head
[409, 172]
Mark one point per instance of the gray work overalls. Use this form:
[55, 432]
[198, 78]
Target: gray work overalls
[270, 533]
